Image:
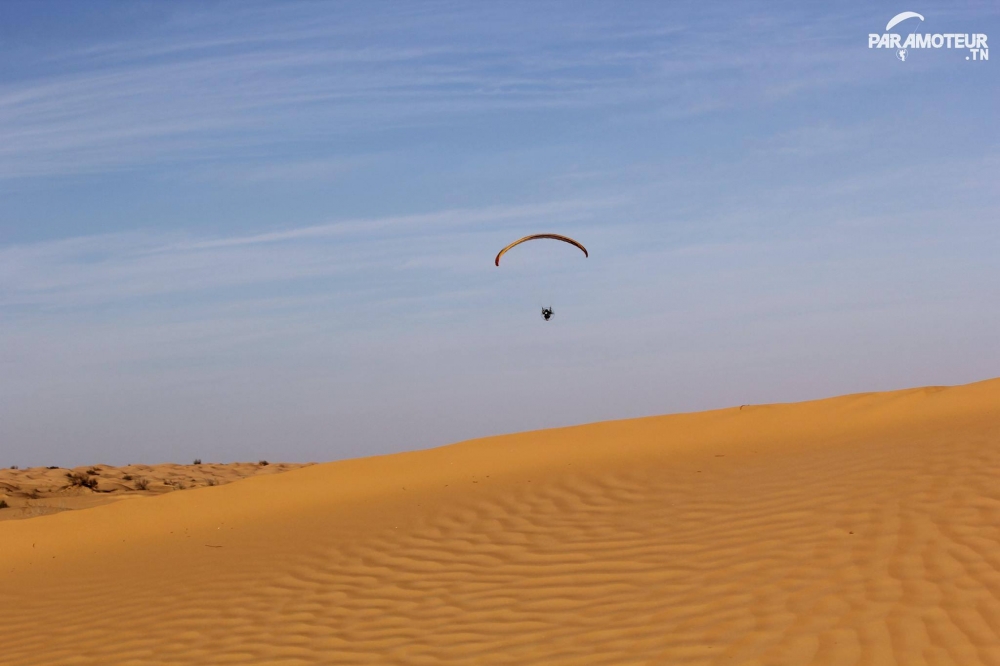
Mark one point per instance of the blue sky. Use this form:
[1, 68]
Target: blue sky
[265, 230]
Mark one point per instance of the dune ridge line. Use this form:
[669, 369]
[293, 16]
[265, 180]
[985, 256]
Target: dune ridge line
[852, 530]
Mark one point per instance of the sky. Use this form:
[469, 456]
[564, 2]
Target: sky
[245, 230]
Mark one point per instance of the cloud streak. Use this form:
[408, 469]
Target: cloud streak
[167, 101]
[88, 271]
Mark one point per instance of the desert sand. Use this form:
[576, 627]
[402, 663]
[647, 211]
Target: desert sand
[39, 491]
[857, 530]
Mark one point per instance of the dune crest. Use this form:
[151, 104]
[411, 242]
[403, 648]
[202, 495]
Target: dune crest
[863, 529]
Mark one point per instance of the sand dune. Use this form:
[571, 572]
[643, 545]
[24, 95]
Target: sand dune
[857, 530]
[39, 491]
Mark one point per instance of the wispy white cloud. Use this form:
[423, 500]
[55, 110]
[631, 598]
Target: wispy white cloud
[110, 268]
[816, 140]
[309, 77]
[282, 170]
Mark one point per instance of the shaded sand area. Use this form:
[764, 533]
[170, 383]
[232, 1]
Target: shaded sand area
[857, 530]
[38, 491]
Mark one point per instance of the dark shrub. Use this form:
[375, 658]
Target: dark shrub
[81, 480]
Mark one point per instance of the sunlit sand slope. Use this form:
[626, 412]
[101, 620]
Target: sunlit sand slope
[858, 530]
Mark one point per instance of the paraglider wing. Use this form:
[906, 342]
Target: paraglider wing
[565, 239]
[899, 18]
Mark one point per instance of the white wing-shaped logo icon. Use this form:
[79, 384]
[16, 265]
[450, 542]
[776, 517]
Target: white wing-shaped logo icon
[899, 18]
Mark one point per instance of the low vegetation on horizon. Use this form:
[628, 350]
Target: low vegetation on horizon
[35, 491]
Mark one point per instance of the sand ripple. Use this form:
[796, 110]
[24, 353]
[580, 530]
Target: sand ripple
[864, 531]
